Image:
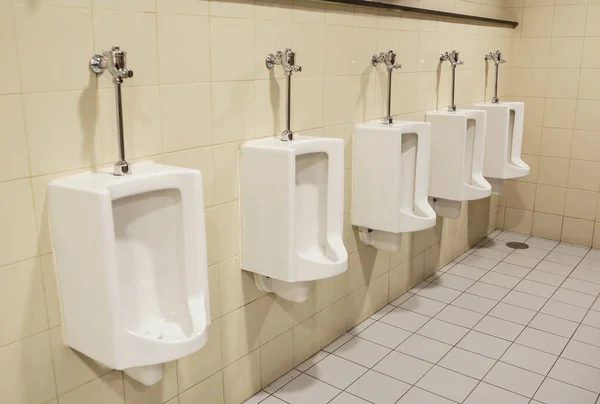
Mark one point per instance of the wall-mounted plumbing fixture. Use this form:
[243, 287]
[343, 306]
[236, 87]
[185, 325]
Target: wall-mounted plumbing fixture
[286, 59]
[115, 61]
[389, 59]
[496, 57]
[452, 57]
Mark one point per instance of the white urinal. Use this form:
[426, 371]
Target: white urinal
[457, 153]
[391, 182]
[503, 142]
[292, 205]
[130, 256]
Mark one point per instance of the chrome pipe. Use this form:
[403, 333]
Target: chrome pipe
[389, 59]
[452, 57]
[122, 166]
[287, 60]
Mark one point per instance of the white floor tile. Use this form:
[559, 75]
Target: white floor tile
[507, 268]
[423, 305]
[272, 400]
[524, 300]
[522, 260]
[553, 325]
[316, 358]
[593, 254]
[382, 312]
[479, 262]
[347, 398]
[555, 392]
[491, 254]
[336, 371]
[417, 288]
[542, 243]
[363, 352]
[282, 381]
[574, 298]
[467, 363]
[586, 275]
[500, 279]
[467, 271]
[454, 282]
[555, 268]
[487, 394]
[378, 388]
[305, 389]
[529, 358]
[424, 348]
[499, 328]
[512, 313]
[462, 256]
[447, 383]
[338, 342]
[589, 264]
[442, 331]
[535, 288]
[459, 316]
[545, 277]
[257, 398]
[532, 252]
[515, 379]
[439, 293]
[564, 259]
[592, 319]
[570, 249]
[403, 367]
[564, 311]
[577, 374]
[384, 334]
[596, 305]
[542, 340]
[475, 303]
[587, 334]
[498, 245]
[402, 299]
[419, 396]
[361, 327]
[582, 353]
[581, 286]
[484, 344]
[512, 236]
[488, 291]
[404, 319]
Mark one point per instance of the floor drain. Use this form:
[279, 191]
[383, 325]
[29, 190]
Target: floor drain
[516, 245]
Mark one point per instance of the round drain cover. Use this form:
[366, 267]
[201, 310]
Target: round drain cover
[516, 245]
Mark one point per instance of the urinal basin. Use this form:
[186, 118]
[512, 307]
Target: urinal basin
[457, 155]
[292, 203]
[504, 137]
[391, 181]
[131, 264]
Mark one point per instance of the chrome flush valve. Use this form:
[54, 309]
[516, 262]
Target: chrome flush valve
[452, 57]
[286, 59]
[388, 58]
[115, 61]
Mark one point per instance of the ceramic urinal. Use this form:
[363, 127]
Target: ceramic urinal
[130, 256]
[391, 182]
[292, 205]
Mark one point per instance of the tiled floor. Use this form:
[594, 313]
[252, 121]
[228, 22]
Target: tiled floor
[496, 326]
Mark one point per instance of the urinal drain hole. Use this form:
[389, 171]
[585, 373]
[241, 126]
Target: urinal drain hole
[517, 246]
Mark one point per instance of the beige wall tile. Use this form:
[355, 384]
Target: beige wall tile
[581, 204]
[241, 379]
[308, 41]
[277, 357]
[589, 85]
[232, 111]
[534, 163]
[586, 117]
[364, 40]
[532, 140]
[556, 142]
[553, 171]
[560, 113]
[550, 199]
[269, 107]
[186, 116]
[22, 304]
[590, 58]
[307, 104]
[194, 368]
[577, 231]
[227, 34]
[307, 11]
[547, 226]
[337, 50]
[213, 286]
[584, 175]
[210, 391]
[562, 83]
[535, 111]
[14, 161]
[569, 20]
[518, 220]
[593, 16]
[107, 389]
[198, 159]
[519, 194]
[236, 287]
[50, 290]
[10, 82]
[179, 64]
[239, 333]
[585, 145]
[222, 232]
[566, 52]
[131, 5]
[534, 52]
[271, 36]
[18, 240]
[161, 392]
[233, 8]
[529, 82]
[307, 339]
[333, 322]
[30, 357]
[194, 7]
[537, 21]
[42, 34]
[596, 239]
[280, 11]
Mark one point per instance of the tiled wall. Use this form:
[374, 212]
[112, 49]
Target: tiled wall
[200, 89]
[555, 68]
